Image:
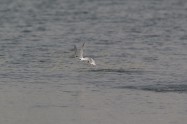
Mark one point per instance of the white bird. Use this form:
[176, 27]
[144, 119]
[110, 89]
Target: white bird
[89, 60]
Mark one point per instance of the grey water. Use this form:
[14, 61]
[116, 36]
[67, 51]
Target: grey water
[136, 44]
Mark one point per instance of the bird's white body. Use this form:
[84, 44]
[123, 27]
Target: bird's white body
[84, 59]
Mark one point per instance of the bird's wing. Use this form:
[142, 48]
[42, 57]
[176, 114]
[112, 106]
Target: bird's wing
[75, 49]
[92, 61]
[81, 50]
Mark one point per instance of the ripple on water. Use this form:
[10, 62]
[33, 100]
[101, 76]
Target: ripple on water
[182, 88]
[121, 70]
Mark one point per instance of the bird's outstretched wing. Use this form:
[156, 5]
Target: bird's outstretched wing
[81, 50]
[92, 61]
[75, 50]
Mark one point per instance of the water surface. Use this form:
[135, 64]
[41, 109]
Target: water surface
[138, 46]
